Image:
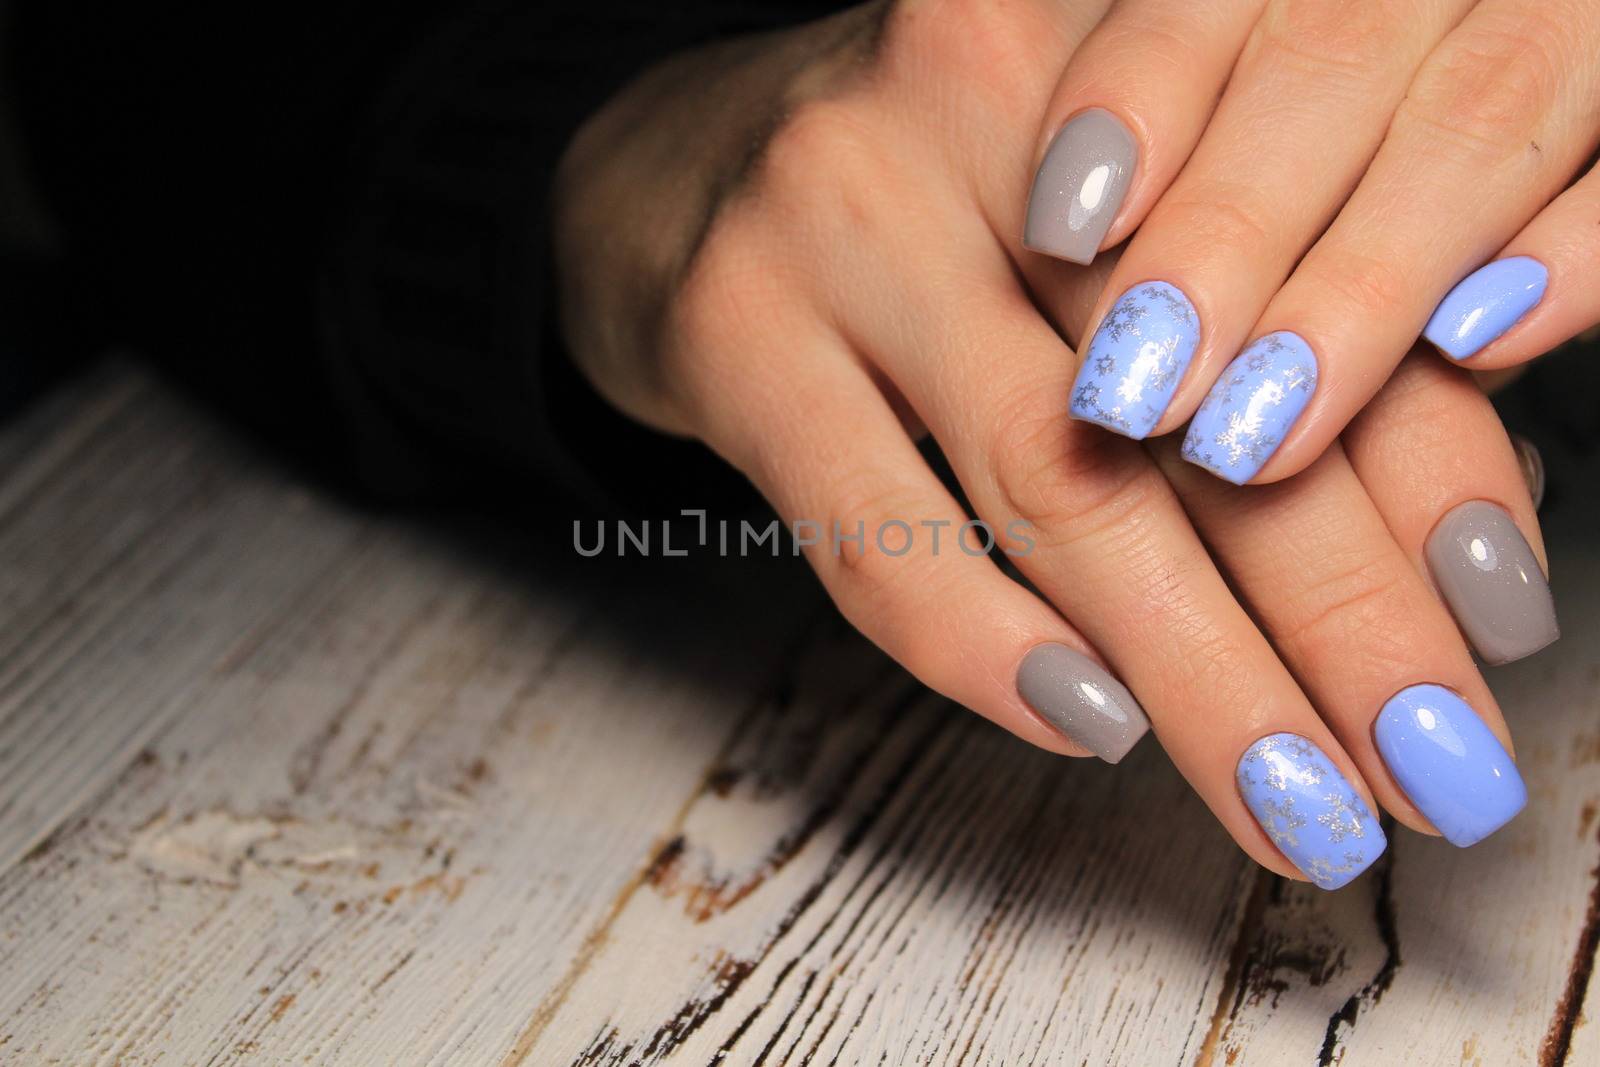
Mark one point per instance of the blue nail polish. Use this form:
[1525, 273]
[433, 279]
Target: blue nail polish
[1449, 763]
[1486, 304]
[1308, 809]
[1250, 408]
[1137, 359]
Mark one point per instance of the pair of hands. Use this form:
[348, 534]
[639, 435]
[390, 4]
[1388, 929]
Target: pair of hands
[805, 248]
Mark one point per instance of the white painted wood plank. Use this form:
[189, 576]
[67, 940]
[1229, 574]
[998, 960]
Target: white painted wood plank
[1578, 1028]
[964, 899]
[113, 579]
[341, 790]
[312, 821]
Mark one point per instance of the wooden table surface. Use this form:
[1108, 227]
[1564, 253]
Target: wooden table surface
[285, 782]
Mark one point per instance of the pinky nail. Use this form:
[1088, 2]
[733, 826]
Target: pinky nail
[1081, 700]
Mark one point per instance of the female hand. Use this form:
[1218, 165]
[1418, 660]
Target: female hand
[802, 249]
[1315, 185]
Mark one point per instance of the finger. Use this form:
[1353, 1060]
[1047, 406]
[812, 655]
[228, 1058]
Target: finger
[1538, 294]
[1494, 125]
[1305, 109]
[1438, 464]
[897, 555]
[1119, 124]
[1369, 643]
[1115, 554]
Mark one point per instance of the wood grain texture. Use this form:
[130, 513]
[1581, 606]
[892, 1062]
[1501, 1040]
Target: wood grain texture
[283, 782]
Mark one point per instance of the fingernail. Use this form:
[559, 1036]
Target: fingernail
[1492, 581]
[1079, 186]
[1486, 304]
[1244, 418]
[1079, 698]
[1532, 464]
[1308, 809]
[1449, 763]
[1136, 359]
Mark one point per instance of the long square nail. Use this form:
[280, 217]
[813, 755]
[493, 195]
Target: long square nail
[1079, 186]
[1250, 409]
[1309, 810]
[1080, 699]
[1485, 304]
[1487, 572]
[1449, 763]
[1136, 359]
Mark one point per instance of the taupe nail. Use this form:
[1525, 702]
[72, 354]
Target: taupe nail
[1080, 699]
[1079, 186]
[1492, 581]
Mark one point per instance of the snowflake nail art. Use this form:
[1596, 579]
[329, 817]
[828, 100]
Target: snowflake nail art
[1252, 406]
[1136, 359]
[1308, 809]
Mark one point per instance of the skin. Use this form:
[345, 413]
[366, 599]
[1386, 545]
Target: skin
[1334, 169]
[803, 249]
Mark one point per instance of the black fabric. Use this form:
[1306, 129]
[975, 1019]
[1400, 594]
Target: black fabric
[330, 220]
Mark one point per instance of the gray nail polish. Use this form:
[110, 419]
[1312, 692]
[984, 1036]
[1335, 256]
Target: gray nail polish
[1079, 187]
[1076, 696]
[1492, 581]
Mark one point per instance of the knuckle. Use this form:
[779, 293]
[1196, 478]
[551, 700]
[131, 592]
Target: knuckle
[875, 593]
[721, 290]
[825, 178]
[1341, 41]
[1430, 399]
[1212, 214]
[979, 40]
[873, 548]
[1369, 287]
[823, 138]
[1217, 666]
[730, 296]
[1416, 421]
[1359, 601]
[1065, 483]
[1147, 52]
[1427, 394]
[866, 568]
[1489, 90]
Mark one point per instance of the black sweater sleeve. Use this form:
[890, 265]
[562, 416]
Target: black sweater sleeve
[330, 219]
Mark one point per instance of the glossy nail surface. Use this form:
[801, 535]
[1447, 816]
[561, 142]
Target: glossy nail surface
[1449, 763]
[1488, 574]
[1136, 359]
[1244, 418]
[1485, 304]
[1532, 464]
[1079, 186]
[1079, 698]
[1308, 809]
